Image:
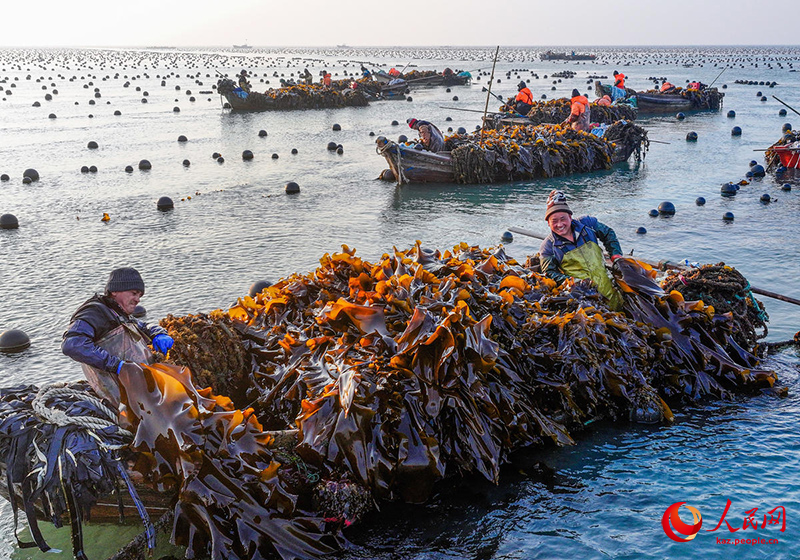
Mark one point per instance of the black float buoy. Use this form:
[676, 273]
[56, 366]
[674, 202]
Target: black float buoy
[294, 151]
[292, 188]
[262, 133]
[765, 198]
[14, 340]
[92, 169]
[691, 136]
[247, 155]
[395, 123]
[731, 114]
[9, 221]
[139, 311]
[402, 138]
[182, 138]
[144, 165]
[753, 163]
[31, 174]
[165, 203]
[51, 116]
[275, 156]
[84, 169]
[259, 286]
[507, 237]
[700, 201]
[4, 177]
[455, 98]
[782, 113]
[786, 187]
[220, 159]
[462, 130]
[128, 169]
[215, 155]
[763, 98]
[666, 208]
[117, 113]
[680, 116]
[728, 216]
[758, 171]
[371, 133]
[787, 127]
[736, 131]
[387, 175]
[186, 163]
[448, 119]
[340, 149]
[92, 145]
[26, 181]
[641, 230]
[409, 98]
[336, 127]
[653, 213]
[729, 189]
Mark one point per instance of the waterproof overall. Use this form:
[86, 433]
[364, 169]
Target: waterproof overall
[130, 345]
[587, 262]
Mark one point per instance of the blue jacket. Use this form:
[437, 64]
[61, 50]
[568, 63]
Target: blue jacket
[94, 319]
[586, 229]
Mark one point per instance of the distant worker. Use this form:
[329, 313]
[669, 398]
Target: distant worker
[326, 78]
[523, 102]
[307, 77]
[431, 137]
[604, 101]
[666, 87]
[572, 250]
[580, 114]
[365, 73]
[243, 83]
[619, 80]
[104, 336]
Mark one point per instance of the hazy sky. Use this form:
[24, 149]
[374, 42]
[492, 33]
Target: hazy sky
[407, 22]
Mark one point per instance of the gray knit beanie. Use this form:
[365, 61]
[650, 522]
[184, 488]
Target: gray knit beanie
[124, 279]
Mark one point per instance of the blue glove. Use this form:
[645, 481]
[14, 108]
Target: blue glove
[162, 343]
[119, 367]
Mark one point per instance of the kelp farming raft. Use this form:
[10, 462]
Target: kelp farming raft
[556, 111]
[362, 382]
[294, 97]
[678, 99]
[515, 153]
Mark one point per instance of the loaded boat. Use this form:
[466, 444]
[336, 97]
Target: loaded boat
[704, 99]
[785, 152]
[291, 97]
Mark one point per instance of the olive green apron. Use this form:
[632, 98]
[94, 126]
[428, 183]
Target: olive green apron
[587, 262]
[127, 343]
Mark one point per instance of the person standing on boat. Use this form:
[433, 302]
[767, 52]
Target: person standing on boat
[524, 100]
[619, 80]
[572, 249]
[307, 77]
[580, 114]
[243, 83]
[326, 78]
[105, 338]
[431, 137]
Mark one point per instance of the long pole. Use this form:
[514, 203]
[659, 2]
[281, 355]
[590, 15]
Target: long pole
[491, 79]
[717, 78]
[675, 266]
[789, 106]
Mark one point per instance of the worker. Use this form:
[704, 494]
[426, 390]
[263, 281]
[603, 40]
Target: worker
[105, 338]
[604, 101]
[666, 87]
[580, 114]
[243, 83]
[431, 137]
[307, 77]
[326, 78]
[524, 100]
[572, 250]
[365, 73]
[619, 80]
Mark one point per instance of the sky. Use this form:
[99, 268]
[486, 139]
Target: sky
[93, 23]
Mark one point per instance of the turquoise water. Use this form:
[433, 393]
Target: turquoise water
[609, 491]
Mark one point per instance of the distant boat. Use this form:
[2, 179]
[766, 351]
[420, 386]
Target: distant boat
[550, 55]
[245, 46]
[342, 46]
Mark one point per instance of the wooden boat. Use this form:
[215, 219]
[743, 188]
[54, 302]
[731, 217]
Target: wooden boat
[290, 98]
[550, 55]
[785, 152]
[789, 155]
[447, 80]
[690, 100]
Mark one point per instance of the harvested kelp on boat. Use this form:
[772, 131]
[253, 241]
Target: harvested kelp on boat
[785, 152]
[289, 98]
[515, 153]
[700, 98]
[556, 111]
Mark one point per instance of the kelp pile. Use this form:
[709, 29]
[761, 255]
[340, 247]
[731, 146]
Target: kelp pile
[705, 98]
[533, 152]
[727, 291]
[557, 110]
[629, 139]
[294, 97]
[772, 158]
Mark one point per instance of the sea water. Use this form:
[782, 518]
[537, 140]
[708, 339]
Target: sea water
[233, 224]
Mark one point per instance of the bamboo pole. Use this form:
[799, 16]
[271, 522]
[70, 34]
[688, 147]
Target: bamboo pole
[491, 79]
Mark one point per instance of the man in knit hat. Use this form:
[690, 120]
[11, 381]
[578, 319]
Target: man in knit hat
[430, 136]
[572, 248]
[104, 336]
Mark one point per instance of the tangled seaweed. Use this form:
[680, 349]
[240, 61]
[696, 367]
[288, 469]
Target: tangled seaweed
[300, 96]
[555, 111]
[727, 291]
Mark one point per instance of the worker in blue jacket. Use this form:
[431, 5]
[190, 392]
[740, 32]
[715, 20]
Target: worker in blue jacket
[572, 248]
[104, 336]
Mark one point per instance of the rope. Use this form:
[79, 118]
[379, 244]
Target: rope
[61, 418]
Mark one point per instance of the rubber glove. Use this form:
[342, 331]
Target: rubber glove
[162, 343]
[119, 367]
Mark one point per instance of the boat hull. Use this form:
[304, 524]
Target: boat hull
[789, 156]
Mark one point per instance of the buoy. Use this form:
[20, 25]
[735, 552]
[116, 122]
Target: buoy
[165, 203]
[336, 128]
[14, 340]
[691, 136]
[507, 237]
[680, 116]
[448, 119]
[182, 138]
[731, 114]
[332, 146]
[92, 145]
[763, 98]
[782, 113]
[84, 169]
[455, 98]
[220, 159]
[786, 187]
[728, 216]
[340, 150]
[294, 151]
[262, 133]
[765, 198]
[409, 98]
[402, 138]
[387, 175]
[117, 113]
[787, 127]
[753, 163]
[729, 189]
[128, 169]
[758, 170]
[462, 130]
[641, 230]
[736, 131]
[275, 156]
[51, 116]
[666, 208]
[92, 169]
[31, 174]
[9, 221]
[292, 188]
[259, 286]
[247, 155]
[215, 155]
[749, 174]
[395, 123]
[144, 165]
[700, 201]
[26, 181]
[4, 177]
[653, 213]
[139, 311]
[371, 133]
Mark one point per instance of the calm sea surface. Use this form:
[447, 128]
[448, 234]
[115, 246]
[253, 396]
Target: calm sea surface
[609, 492]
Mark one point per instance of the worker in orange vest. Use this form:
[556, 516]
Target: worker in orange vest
[666, 87]
[524, 99]
[326, 78]
[580, 115]
[619, 79]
